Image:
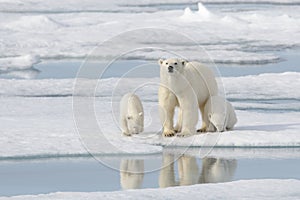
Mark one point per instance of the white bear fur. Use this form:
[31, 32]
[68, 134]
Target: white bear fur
[220, 115]
[188, 86]
[131, 114]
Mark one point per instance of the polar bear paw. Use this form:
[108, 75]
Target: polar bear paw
[184, 134]
[177, 129]
[169, 133]
[202, 130]
[126, 133]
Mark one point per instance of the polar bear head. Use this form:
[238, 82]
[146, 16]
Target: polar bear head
[135, 122]
[218, 120]
[135, 115]
[171, 66]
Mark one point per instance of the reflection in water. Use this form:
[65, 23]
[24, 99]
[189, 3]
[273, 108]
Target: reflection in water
[217, 170]
[131, 173]
[167, 174]
[213, 170]
[188, 170]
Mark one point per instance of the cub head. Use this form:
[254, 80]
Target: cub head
[171, 66]
[218, 120]
[135, 122]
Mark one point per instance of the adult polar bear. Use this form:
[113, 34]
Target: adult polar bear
[187, 85]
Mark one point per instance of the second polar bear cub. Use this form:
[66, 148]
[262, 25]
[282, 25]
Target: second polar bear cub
[131, 114]
[220, 115]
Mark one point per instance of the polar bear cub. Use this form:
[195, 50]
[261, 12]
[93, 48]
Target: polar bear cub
[219, 114]
[131, 114]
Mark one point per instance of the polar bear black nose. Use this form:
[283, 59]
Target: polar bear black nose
[170, 68]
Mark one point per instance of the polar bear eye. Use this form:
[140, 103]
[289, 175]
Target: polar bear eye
[167, 63]
[129, 117]
[175, 63]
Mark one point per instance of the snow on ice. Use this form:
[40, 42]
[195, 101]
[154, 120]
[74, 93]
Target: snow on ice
[42, 123]
[244, 189]
[59, 31]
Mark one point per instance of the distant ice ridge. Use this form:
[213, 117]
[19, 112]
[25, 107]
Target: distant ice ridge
[155, 2]
[18, 62]
[59, 31]
[68, 5]
[260, 189]
[34, 23]
[19, 66]
[203, 14]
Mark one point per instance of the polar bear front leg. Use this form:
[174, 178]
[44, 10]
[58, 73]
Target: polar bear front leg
[189, 116]
[167, 103]
[166, 113]
[124, 127]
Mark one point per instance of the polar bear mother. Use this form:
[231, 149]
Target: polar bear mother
[187, 85]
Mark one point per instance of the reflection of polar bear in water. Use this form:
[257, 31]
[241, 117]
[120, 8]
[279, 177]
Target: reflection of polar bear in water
[131, 173]
[131, 114]
[187, 85]
[219, 114]
[215, 170]
[167, 173]
[188, 171]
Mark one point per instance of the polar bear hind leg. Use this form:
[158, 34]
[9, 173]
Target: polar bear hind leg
[189, 114]
[178, 126]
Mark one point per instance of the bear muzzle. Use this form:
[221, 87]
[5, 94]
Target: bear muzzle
[170, 69]
[135, 130]
[219, 127]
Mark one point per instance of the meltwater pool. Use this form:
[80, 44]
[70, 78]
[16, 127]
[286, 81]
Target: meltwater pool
[85, 174]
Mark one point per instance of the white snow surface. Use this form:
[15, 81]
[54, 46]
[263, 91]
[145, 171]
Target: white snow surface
[236, 153]
[244, 189]
[59, 30]
[38, 120]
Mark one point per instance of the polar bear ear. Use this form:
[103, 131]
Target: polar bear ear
[141, 113]
[160, 61]
[183, 62]
[209, 115]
